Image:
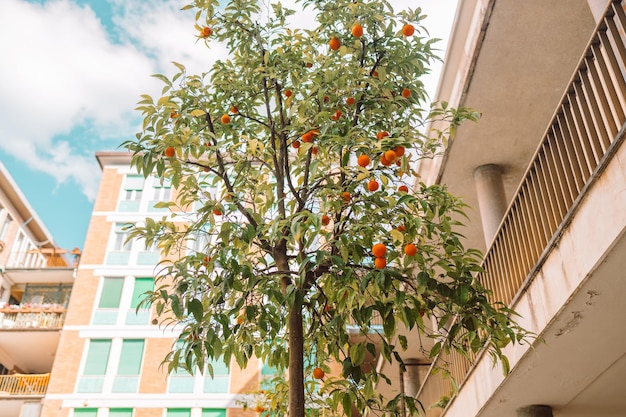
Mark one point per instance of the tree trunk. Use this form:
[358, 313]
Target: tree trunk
[296, 360]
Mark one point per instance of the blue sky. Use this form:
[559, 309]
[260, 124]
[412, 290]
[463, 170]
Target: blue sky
[71, 73]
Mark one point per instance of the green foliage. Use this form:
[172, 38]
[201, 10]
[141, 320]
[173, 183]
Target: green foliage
[247, 239]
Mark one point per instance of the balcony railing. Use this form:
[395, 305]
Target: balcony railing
[586, 129]
[32, 317]
[24, 384]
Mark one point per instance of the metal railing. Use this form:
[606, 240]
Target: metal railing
[24, 384]
[32, 318]
[576, 147]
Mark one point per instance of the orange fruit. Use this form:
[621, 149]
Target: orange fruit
[403, 189]
[326, 99]
[380, 263]
[401, 228]
[334, 43]
[174, 115]
[206, 32]
[296, 144]
[384, 160]
[375, 73]
[169, 152]
[307, 137]
[350, 101]
[259, 409]
[390, 155]
[325, 220]
[308, 64]
[379, 250]
[288, 93]
[234, 110]
[346, 196]
[399, 150]
[381, 135]
[406, 93]
[363, 160]
[357, 30]
[318, 373]
[314, 150]
[372, 185]
[410, 249]
[217, 212]
[336, 116]
[408, 30]
[225, 119]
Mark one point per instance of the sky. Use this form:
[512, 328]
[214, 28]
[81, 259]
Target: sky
[71, 73]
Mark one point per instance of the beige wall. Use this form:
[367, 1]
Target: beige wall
[65, 369]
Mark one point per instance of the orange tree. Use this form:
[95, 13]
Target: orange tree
[293, 163]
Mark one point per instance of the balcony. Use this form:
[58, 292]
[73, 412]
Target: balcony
[24, 385]
[567, 186]
[45, 316]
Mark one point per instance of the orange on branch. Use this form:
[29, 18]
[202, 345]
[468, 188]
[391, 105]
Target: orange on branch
[399, 150]
[357, 30]
[350, 101]
[381, 135]
[406, 93]
[296, 144]
[334, 43]
[380, 263]
[410, 249]
[206, 32]
[408, 29]
[217, 212]
[403, 189]
[307, 137]
[169, 152]
[225, 119]
[384, 161]
[288, 93]
[346, 196]
[318, 373]
[234, 110]
[390, 155]
[372, 185]
[363, 160]
[325, 220]
[314, 150]
[379, 250]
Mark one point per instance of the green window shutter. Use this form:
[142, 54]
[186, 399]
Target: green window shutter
[85, 412]
[120, 412]
[178, 412]
[130, 357]
[97, 357]
[111, 293]
[142, 285]
[213, 412]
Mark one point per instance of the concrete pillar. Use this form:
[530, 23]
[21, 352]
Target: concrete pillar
[30, 409]
[491, 198]
[535, 411]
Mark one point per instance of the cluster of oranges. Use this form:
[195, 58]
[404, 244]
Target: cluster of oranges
[379, 251]
[357, 31]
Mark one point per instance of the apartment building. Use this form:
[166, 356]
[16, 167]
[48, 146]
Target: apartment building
[36, 280]
[112, 348]
[544, 172]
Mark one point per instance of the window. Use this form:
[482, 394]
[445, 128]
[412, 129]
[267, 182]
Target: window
[161, 192]
[129, 368]
[148, 255]
[178, 412]
[109, 304]
[120, 412]
[213, 412]
[123, 294]
[219, 382]
[133, 190]
[120, 247]
[95, 367]
[85, 412]
[5, 227]
[142, 315]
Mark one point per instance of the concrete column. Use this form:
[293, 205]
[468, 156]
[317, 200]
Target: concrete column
[535, 411]
[491, 198]
[30, 409]
[411, 377]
